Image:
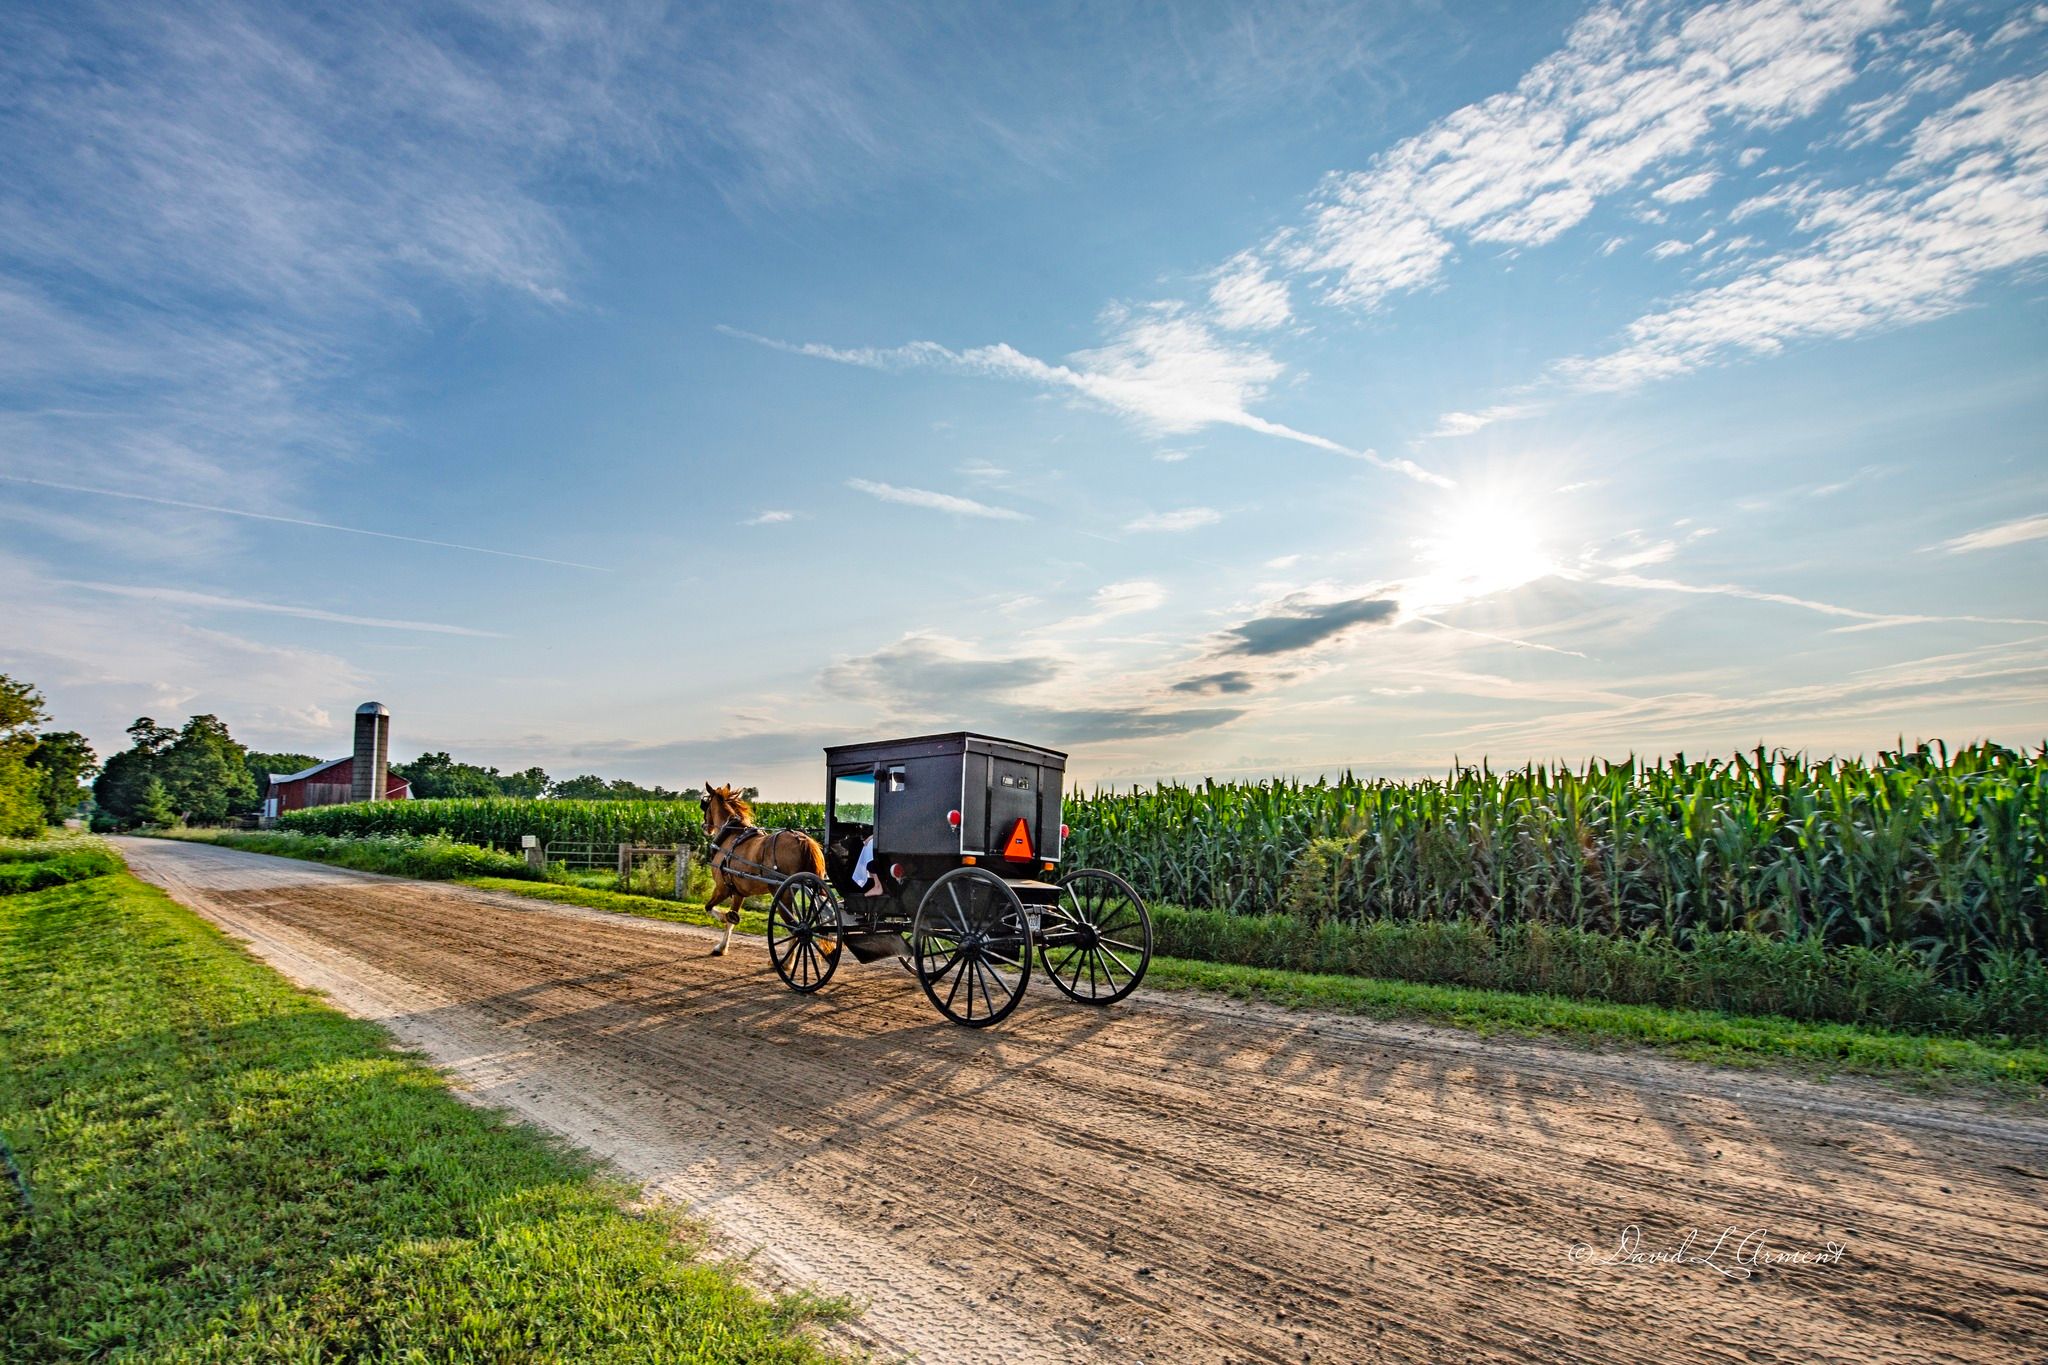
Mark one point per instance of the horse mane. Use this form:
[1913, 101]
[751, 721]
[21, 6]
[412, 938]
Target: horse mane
[737, 807]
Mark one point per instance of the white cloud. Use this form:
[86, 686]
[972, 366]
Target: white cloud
[1668, 248]
[1246, 298]
[1170, 456]
[1113, 600]
[1866, 620]
[1184, 519]
[1682, 191]
[211, 602]
[772, 517]
[1636, 88]
[1969, 199]
[1164, 369]
[2024, 24]
[1997, 537]
[185, 505]
[1465, 423]
[938, 502]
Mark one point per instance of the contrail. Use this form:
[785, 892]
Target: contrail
[300, 521]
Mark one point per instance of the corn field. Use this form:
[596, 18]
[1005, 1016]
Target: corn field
[1943, 853]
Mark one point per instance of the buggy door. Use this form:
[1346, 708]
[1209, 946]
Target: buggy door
[1014, 793]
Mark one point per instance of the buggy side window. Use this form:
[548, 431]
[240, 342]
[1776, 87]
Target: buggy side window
[853, 799]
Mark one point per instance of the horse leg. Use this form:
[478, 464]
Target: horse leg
[718, 894]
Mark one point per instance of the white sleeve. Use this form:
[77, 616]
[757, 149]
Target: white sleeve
[867, 855]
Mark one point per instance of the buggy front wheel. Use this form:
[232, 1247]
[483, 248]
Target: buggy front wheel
[804, 932]
[971, 947]
[1097, 942]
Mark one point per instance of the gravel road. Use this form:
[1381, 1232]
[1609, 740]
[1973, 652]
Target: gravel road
[1184, 1178]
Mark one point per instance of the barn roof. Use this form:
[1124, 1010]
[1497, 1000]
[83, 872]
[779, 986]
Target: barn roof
[276, 778]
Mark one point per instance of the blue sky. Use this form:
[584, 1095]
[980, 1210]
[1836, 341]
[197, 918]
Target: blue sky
[1226, 389]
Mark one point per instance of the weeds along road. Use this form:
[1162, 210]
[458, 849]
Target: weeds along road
[1182, 1178]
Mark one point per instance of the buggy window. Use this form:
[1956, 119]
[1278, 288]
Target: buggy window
[853, 799]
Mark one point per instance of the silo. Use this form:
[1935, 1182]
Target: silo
[373, 751]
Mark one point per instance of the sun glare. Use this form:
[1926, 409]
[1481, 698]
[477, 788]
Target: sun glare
[1481, 544]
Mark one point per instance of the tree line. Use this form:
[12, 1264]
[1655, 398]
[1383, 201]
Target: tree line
[200, 774]
[41, 771]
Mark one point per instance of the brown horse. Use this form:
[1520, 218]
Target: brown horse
[738, 849]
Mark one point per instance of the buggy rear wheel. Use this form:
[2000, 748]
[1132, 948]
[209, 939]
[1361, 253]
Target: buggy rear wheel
[971, 947]
[804, 930]
[1097, 942]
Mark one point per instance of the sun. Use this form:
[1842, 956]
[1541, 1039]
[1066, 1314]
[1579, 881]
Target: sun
[1480, 544]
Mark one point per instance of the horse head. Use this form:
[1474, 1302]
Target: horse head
[724, 805]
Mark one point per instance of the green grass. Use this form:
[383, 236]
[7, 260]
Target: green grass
[38, 864]
[1698, 1035]
[224, 1169]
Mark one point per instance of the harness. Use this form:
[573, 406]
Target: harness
[725, 858]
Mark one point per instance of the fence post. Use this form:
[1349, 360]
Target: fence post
[536, 857]
[625, 864]
[682, 870]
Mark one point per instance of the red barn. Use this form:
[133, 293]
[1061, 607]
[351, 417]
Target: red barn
[326, 784]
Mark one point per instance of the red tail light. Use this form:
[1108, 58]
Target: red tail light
[953, 818]
[1063, 831]
[897, 870]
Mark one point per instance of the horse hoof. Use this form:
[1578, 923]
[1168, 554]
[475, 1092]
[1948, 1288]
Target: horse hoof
[719, 951]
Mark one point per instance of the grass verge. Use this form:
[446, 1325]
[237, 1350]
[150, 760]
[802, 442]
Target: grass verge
[1699, 1035]
[222, 1168]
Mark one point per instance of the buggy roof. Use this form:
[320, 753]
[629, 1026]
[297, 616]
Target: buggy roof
[843, 756]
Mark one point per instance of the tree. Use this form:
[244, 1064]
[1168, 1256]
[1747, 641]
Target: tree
[154, 808]
[591, 787]
[62, 760]
[588, 787]
[119, 787]
[263, 767]
[21, 805]
[206, 773]
[437, 774]
[533, 782]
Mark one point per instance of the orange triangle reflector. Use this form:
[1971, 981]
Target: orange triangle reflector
[1019, 847]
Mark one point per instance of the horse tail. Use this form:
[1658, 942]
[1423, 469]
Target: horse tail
[814, 856]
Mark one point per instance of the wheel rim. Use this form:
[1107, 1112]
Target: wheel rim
[1097, 942]
[972, 949]
[803, 935]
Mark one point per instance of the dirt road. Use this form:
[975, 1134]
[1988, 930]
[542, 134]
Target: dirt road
[1184, 1179]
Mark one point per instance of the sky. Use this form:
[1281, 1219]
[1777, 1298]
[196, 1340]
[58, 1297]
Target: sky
[1207, 389]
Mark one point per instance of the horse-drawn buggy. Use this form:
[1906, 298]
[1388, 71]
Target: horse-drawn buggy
[943, 850]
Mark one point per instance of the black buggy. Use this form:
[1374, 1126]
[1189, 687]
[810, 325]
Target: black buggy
[963, 880]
